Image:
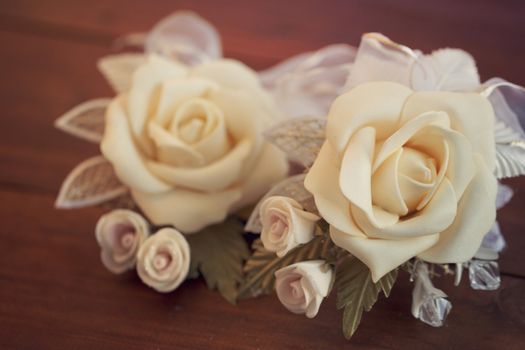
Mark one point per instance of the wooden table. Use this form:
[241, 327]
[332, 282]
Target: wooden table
[55, 293]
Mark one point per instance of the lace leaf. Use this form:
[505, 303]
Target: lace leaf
[91, 182]
[85, 121]
[300, 138]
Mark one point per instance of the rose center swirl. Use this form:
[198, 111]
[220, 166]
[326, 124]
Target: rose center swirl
[195, 120]
[161, 261]
[126, 241]
[403, 180]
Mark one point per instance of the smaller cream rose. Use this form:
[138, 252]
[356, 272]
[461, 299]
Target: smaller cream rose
[120, 234]
[163, 260]
[301, 287]
[285, 224]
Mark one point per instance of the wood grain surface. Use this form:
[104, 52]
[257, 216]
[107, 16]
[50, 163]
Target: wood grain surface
[55, 293]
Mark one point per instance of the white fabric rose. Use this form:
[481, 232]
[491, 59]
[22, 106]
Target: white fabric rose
[120, 234]
[163, 260]
[188, 141]
[406, 174]
[301, 287]
[285, 224]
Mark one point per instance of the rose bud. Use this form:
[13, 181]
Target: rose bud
[120, 234]
[301, 287]
[163, 260]
[285, 224]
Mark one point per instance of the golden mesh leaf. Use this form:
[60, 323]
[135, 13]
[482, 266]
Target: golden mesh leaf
[86, 120]
[91, 182]
[300, 138]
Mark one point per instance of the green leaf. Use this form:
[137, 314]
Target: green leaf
[387, 282]
[218, 252]
[356, 292]
[261, 266]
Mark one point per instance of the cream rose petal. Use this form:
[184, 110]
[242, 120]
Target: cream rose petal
[433, 218]
[270, 167]
[387, 176]
[242, 113]
[429, 174]
[213, 177]
[355, 183]
[304, 224]
[234, 75]
[355, 177]
[244, 118]
[188, 211]
[356, 169]
[322, 181]
[146, 83]
[119, 148]
[404, 193]
[476, 214]
[175, 91]
[406, 132]
[382, 255]
[196, 136]
[471, 114]
[210, 137]
[171, 150]
[377, 105]
[460, 167]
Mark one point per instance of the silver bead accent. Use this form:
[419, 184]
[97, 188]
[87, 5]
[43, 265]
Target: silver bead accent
[484, 275]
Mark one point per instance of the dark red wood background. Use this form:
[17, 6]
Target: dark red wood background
[55, 293]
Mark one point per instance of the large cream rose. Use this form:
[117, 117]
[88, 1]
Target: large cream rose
[406, 174]
[188, 142]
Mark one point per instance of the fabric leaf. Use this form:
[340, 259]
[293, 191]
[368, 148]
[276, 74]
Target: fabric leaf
[218, 253]
[510, 159]
[381, 59]
[300, 138]
[446, 70]
[307, 84]
[91, 182]
[86, 120]
[356, 292]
